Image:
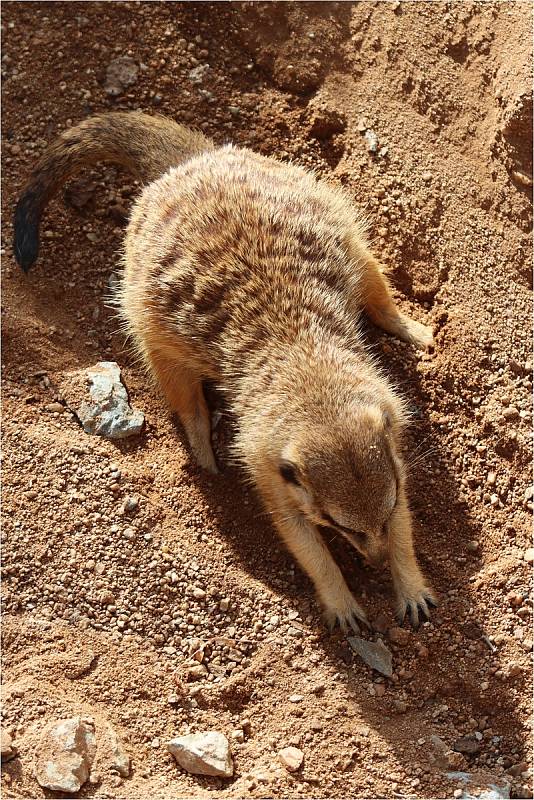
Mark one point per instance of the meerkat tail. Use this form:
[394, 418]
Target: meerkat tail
[145, 145]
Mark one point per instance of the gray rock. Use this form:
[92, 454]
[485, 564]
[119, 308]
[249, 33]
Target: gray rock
[109, 414]
[203, 753]
[375, 654]
[121, 73]
[65, 754]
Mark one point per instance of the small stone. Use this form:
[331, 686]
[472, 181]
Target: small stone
[129, 505]
[238, 735]
[198, 593]
[203, 753]
[380, 689]
[468, 745]
[399, 636]
[472, 545]
[121, 73]
[375, 654]
[224, 604]
[426, 176]
[296, 698]
[55, 408]
[120, 760]
[529, 555]
[197, 74]
[65, 754]
[372, 140]
[381, 623]
[7, 750]
[291, 758]
[515, 599]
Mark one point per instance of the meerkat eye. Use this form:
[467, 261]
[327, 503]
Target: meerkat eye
[289, 473]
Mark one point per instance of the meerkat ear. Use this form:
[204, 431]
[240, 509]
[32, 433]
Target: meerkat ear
[289, 472]
[386, 417]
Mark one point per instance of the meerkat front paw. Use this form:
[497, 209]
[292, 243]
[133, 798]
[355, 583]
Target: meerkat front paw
[415, 602]
[343, 610]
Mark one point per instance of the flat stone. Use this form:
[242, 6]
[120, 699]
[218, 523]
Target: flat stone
[467, 745]
[375, 654]
[291, 758]
[203, 753]
[65, 754]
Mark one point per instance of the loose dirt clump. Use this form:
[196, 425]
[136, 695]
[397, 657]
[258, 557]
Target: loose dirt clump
[156, 600]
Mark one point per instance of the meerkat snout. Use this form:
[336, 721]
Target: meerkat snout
[346, 477]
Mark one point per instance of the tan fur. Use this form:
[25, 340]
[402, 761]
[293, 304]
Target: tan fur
[252, 273]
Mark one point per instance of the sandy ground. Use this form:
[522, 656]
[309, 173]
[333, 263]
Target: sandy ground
[100, 614]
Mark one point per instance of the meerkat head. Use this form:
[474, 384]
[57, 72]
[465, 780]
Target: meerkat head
[347, 475]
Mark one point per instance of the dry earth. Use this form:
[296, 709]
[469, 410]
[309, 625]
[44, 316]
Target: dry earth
[101, 616]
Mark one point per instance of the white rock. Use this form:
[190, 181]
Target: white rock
[65, 753]
[291, 758]
[203, 753]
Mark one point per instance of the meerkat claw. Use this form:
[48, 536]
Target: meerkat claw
[416, 609]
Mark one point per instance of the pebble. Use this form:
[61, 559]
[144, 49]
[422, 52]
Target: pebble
[291, 758]
[198, 593]
[372, 140]
[129, 505]
[296, 698]
[55, 408]
[65, 753]
[528, 555]
[6, 746]
[120, 760]
[205, 753]
[467, 745]
[120, 73]
[472, 545]
[197, 74]
[375, 654]
[399, 636]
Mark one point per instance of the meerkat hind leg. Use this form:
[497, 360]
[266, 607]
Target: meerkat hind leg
[381, 309]
[184, 394]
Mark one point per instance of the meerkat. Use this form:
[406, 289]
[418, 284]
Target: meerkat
[254, 274]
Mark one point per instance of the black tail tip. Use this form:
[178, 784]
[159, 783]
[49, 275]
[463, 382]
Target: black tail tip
[26, 231]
